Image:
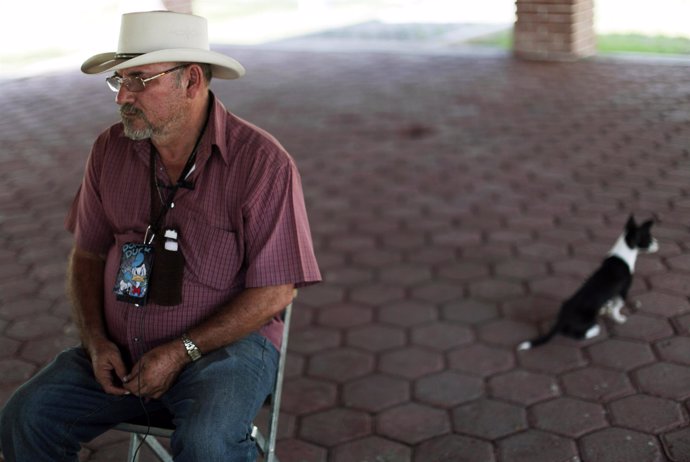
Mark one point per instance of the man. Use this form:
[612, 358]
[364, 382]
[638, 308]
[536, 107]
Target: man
[190, 238]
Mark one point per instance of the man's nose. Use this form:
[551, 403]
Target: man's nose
[124, 96]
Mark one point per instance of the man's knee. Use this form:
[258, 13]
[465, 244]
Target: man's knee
[196, 440]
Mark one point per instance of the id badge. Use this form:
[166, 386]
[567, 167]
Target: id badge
[133, 278]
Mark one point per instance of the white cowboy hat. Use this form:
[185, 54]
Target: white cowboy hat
[160, 37]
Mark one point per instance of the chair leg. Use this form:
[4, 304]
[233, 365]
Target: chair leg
[136, 441]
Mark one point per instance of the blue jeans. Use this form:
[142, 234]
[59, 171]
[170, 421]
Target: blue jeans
[213, 401]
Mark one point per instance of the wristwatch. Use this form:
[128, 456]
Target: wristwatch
[192, 350]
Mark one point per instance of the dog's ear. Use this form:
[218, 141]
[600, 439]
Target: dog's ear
[647, 224]
[631, 223]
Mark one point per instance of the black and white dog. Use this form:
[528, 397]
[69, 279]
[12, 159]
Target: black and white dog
[605, 291]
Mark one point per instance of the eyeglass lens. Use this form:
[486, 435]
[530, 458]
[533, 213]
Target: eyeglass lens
[115, 82]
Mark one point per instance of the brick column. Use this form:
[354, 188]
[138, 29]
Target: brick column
[554, 30]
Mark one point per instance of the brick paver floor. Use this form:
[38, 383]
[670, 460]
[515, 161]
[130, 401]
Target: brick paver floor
[455, 200]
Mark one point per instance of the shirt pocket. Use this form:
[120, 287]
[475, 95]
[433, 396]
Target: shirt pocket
[212, 255]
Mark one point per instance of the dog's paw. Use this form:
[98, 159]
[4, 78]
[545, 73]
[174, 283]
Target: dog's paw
[619, 318]
[524, 346]
[593, 331]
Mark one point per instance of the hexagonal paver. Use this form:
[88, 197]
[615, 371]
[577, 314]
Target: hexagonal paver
[579, 269]
[341, 365]
[463, 270]
[537, 446]
[448, 389]
[405, 275]
[569, 417]
[493, 253]
[664, 379]
[496, 290]
[523, 387]
[294, 449]
[506, 332]
[643, 327]
[321, 395]
[489, 419]
[662, 304]
[43, 350]
[347, 276]
[597, 384]
[412, 362]
[481, 360]
[521, 270]
[674, 349]
[438, 291]
[335, 426]
[15, 370]
[556, 287]
[456, 448]
[441, 335]
[321, 295]
[313, 339]
[458, 238]
[677, 283]
[408, 313]
[376, 392]
[23, 307]
[9, 348]
[352, 243]
[677, 444]
[412, 423]
[469, 311]
[344, 316]
[621, 354]
[620, 445]
[682, 324]
[646, 413]
[543, 251]
[37, 326]
[376, 337]
[552, 358]
[375, 258]
[533, 309]
[377, 294]
[372, 448]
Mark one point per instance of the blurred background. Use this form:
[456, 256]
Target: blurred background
[44, 34]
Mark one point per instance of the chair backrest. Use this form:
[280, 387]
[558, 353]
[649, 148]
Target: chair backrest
[161, 425]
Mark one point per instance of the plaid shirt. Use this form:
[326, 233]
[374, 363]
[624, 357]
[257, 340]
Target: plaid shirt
[243, 225]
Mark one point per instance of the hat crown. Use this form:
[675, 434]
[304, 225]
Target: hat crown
[159, 30]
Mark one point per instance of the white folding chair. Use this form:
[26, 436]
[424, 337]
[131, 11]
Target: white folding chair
[161, 426]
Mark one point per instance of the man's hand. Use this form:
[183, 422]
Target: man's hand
[108, 367]
[156, 371]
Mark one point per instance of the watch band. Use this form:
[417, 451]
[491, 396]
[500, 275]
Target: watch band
[192, 350]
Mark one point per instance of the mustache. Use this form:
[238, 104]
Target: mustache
[128, 109]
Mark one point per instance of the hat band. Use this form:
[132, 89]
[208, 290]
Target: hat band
[127, 55]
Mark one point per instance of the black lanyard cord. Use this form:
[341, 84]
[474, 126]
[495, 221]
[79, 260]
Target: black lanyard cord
[181, 182]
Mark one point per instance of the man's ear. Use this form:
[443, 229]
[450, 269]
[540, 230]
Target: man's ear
[196, 80]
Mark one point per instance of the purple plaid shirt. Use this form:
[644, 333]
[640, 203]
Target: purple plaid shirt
[243, 225]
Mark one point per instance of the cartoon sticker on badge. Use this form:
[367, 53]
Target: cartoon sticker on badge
[132, 282]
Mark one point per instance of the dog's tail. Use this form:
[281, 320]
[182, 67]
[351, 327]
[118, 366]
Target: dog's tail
[542, 339]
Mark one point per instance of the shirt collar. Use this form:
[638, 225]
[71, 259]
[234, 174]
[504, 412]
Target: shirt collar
[214, 134]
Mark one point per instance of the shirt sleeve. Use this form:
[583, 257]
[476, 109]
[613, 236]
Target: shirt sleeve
[86, 218]
[278, 244]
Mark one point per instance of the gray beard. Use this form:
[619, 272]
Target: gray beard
[137, 135]
[130, 132]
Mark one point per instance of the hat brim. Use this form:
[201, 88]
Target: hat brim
[223, 67]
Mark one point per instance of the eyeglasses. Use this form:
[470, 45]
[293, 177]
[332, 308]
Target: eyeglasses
[135, 84]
